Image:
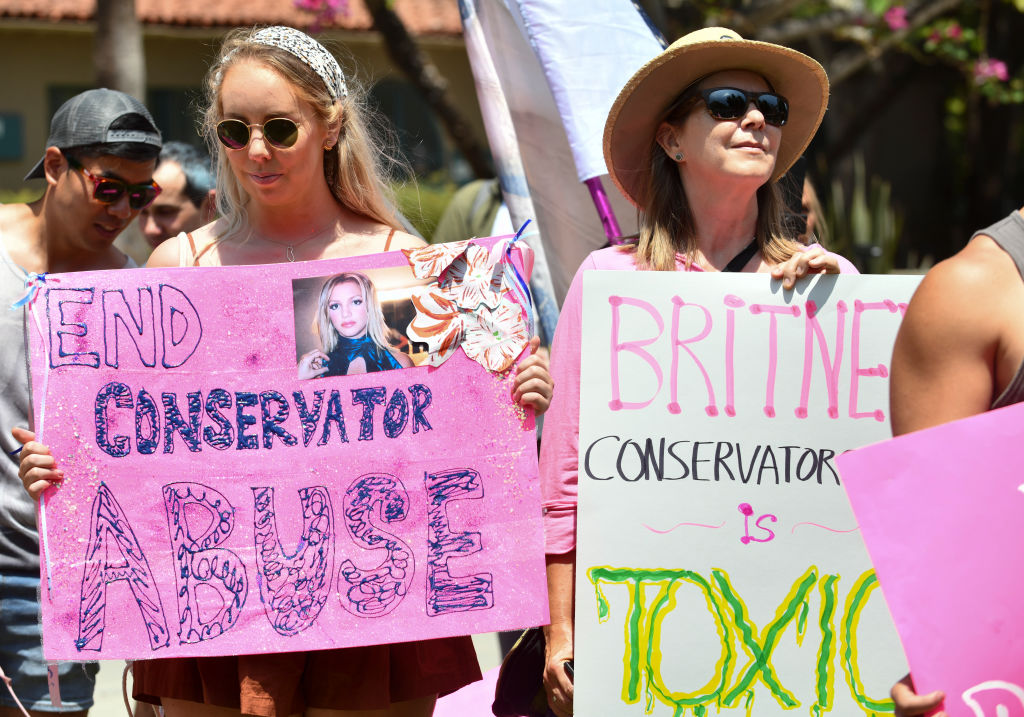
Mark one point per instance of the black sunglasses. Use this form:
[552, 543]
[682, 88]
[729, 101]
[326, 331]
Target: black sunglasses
[108, 190]
[279, 132]
[729, 103]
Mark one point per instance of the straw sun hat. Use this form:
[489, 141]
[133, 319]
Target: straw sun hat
[640, 106]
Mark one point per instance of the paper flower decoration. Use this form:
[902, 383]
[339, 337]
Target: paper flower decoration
[470, 305]
[495, 338]
[437, 323]
[474, 280]
[433, 259]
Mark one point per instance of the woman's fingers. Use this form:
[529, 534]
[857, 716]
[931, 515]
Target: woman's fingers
[37, 468]
[535, 393]
[22, 435]
[313, 365]
[533, 383]
[910, 704]
[812, 261]
[823, 263]
[558, 685]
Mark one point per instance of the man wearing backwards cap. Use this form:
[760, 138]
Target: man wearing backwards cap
[98, 167]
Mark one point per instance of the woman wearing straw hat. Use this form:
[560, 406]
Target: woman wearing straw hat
[696, 140]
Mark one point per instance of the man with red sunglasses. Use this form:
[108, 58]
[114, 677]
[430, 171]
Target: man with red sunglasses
[98, 167]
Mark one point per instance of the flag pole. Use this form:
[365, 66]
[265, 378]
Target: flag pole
[605, 211]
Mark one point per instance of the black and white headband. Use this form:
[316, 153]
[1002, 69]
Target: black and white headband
[311, 52]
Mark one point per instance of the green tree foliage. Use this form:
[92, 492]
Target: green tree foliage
[945, 76]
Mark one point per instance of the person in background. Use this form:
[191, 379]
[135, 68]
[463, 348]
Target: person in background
[815, 228]
[188, 200]
[477, 209]
[98, 168]
[697, 140]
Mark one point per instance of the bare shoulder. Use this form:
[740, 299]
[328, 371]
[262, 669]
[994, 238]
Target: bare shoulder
[166, 254]
[11, 214]
[402, 240]
[946, 353]
[969, 281]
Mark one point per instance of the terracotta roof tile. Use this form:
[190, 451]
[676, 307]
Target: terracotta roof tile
[422, 17]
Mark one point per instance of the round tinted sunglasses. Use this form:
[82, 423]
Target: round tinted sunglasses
[108, 190]
[279, 132]
[729, 103]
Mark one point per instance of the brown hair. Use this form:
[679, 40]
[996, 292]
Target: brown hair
[666, 217]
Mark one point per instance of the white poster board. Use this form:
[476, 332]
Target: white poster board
[719, 565]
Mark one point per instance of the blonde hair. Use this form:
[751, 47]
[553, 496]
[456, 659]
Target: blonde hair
[666, 218]
[375, 325]
[355, 168]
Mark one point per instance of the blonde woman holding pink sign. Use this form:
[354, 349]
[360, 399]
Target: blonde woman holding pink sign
[696, 140]
[298, 178]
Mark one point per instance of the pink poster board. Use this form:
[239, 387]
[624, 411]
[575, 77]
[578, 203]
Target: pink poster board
[473, 700]
[940, 511]
[215, 504]
[719, 567]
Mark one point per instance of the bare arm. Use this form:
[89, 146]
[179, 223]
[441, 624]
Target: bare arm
[944, 359]
[559, 634]
[945, 364]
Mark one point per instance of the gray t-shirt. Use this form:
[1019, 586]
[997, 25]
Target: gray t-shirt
[19, 539]
[1008, 233]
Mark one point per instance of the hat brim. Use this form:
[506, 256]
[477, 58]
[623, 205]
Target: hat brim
[638, 110]
[37, 172]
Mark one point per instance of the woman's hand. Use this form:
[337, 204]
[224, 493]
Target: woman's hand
[534, 384]
[557, 682]
[812, 261]
[558, 636]
[38, 469]
[909, 703]
[313, 365]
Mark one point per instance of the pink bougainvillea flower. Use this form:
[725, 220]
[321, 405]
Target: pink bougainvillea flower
[896, 18]
[989, 69]
[494, 339]
[471, 280]
[438, 323]
[433, 259]
[954, 31]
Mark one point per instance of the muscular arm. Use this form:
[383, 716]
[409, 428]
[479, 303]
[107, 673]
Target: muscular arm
[945, 360]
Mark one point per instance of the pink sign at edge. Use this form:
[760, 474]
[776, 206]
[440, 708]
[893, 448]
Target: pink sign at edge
[248, 350]
[940, 511]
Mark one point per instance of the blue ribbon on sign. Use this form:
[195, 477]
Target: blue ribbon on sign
[33, 283]
[522, 289]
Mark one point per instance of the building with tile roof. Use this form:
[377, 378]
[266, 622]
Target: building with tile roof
[47, 48]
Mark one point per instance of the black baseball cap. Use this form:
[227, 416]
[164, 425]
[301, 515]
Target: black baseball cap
[87, 117]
